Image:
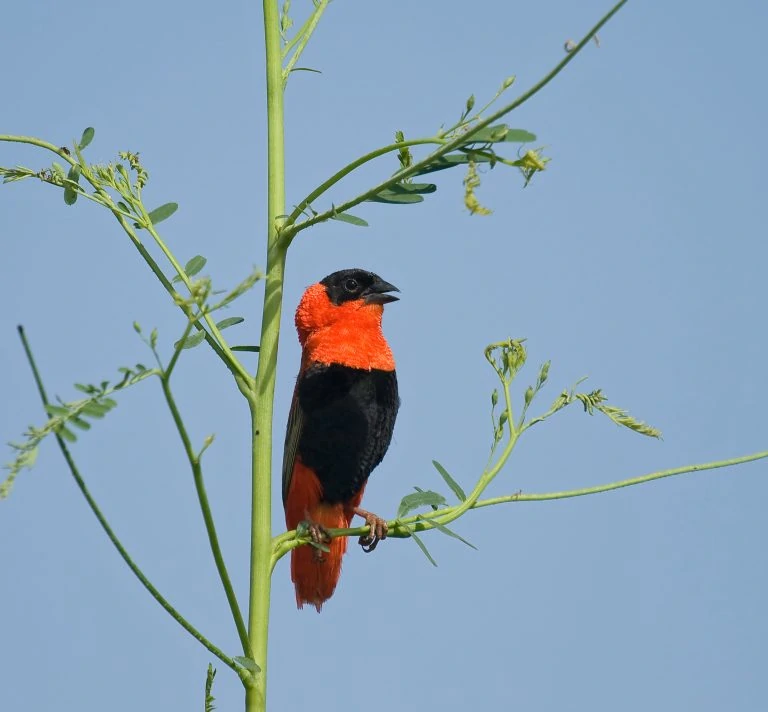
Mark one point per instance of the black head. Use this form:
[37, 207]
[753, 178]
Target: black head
[349, 284]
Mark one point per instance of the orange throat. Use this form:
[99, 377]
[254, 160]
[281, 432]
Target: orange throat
[348, 334]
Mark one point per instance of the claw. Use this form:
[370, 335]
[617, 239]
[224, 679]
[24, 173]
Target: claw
[377, 533]
[319, 537]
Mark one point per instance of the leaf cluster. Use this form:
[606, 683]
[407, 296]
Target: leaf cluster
[72, 414]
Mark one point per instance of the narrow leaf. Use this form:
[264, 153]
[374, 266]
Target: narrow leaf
[519, 136]
[209, 698]
[418, 499]
[420, 188]
[95, 410]
[191, 341]
[247, 663]
[86, 138]
[80, 423]
[455, 486]
[424, 549]
[445, 530]
[54, 410]
[66, 434]
[501, 132]
[254, 349]
[351, 219]
[229, 321]
[123, 206]
[389, 196]
[451, 160]
[306, 69]
[163, 212]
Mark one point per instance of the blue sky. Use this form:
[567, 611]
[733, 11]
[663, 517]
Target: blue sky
[637, 259]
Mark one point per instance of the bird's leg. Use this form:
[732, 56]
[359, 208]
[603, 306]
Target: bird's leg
[378, 531]
[319, 536]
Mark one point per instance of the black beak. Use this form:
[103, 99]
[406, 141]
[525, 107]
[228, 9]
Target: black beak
[377, 293]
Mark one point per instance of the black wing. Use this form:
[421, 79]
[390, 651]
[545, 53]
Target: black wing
[292, 438]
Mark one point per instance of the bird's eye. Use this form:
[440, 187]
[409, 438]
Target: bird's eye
[351, 285]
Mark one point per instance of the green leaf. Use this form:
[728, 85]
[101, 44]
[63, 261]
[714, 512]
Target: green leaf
[209, 698]
[247, 663]
[392, 197]
[424, 549]
[195, 265]
[455, 486]
[351, 219]
[95, 410]
[229, 321]
[451, 160]
[70, 192]
[163, 212]
[434, 506]
[418, 499]
[445, 530]
[306, 69]
[86, 138]
[421, 188]
[519, 136]
[254, 349]
[80, 423]
[500, 132]
[66, 434]
[191, 341]
[123, 206]
[54, 410]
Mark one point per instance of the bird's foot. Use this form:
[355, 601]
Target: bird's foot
[378, 531]
[319, 538]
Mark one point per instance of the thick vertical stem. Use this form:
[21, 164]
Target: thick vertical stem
[262, 396]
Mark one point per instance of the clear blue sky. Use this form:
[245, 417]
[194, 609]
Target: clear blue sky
[639, 259]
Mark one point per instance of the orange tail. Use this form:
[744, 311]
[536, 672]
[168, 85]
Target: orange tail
[315, 573]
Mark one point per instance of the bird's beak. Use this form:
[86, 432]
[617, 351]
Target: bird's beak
[377, 293]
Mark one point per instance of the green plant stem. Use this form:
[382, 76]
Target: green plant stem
[400, 528]
[339, 175]
[302, 37]
[223, 352]
[461, 139]
[262, 397]
[205, 507]
[183, 622]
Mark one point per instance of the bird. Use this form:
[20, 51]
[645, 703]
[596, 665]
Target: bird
[340, 423]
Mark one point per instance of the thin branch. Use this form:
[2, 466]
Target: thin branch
[205, 507]
[339, 175]
[183, 622]
[459, 140]
[401, 528]
[226, 356]
[302, 37]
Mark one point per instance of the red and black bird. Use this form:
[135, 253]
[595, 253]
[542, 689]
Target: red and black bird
[341, 421]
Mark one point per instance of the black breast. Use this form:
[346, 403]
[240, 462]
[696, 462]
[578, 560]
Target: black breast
[348, 419]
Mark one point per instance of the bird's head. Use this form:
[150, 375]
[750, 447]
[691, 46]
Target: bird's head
[352, 298]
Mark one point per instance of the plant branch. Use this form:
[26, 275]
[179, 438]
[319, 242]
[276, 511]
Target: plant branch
[202, 496]
[339, 175]
[183, 622]
[302, 37]
[232, 363]
[461, 139]
[401, 528]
